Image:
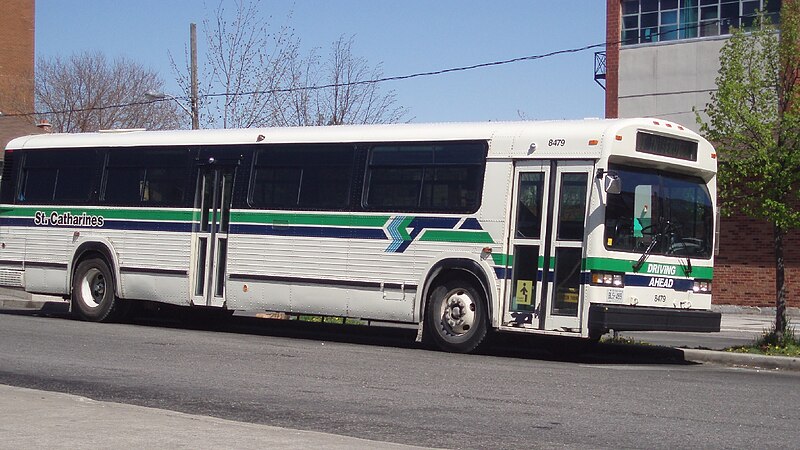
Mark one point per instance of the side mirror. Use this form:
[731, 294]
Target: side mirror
[613, 185]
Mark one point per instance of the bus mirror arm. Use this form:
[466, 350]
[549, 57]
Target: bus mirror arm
[611, 181]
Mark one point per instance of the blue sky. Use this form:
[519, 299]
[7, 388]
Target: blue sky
[406, 37]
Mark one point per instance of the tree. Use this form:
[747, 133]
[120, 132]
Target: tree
[253, 77]
[87, 92]
[346, 94]
[245, 66]
[754, 120]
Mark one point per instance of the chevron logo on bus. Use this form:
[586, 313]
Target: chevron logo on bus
[403, 230]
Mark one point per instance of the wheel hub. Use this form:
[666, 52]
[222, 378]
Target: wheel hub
[99, 287]
[458, 314]
[93, 288]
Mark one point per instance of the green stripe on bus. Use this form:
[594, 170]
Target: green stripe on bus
[343, 220]
[648, 268]
[502, 259]
[479, 237]
[126, 214]
[403, 228]
[336, 220]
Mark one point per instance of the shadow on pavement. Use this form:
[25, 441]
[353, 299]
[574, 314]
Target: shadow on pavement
[506, 345]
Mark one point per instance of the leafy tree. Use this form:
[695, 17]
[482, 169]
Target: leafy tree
[754, 120]
[87, 92]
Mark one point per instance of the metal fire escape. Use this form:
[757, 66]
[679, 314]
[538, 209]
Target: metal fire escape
[600, 69]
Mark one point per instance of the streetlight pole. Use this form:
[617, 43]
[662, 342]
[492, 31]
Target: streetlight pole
[194, 112]
[160, 96]
[193, 57]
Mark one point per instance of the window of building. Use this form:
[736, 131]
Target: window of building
[645, 21]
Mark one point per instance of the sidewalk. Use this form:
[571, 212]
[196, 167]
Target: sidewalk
[740, 326]
[63, 419]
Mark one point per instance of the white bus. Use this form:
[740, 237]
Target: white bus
[569, 228]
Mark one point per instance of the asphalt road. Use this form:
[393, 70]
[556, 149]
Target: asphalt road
[379, 385]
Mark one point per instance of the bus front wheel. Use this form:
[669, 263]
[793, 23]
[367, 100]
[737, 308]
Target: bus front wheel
[455, 316]
[94, 292]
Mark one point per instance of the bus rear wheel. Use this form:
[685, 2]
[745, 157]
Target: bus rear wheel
[455, 316]
[94, 292]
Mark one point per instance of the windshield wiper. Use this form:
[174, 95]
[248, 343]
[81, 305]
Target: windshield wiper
[687, 268]
[664, 227]
[661, 228]
[648, 250]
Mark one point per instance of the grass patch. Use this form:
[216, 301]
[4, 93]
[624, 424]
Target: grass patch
[770, 344]
[616, 338]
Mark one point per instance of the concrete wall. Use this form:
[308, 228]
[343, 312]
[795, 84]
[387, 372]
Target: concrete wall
[667, 79]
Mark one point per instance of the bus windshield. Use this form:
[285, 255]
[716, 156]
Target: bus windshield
[675, 210]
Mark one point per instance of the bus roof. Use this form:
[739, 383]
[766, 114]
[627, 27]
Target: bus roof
[520, 138]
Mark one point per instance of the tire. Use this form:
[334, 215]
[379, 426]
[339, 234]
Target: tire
[94, 292]
[456, 316]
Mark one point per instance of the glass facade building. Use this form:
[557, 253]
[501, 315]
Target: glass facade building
[646, 21]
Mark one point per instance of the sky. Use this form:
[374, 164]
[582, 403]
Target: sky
[406, 37]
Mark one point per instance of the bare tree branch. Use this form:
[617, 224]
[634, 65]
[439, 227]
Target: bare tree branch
[264, 80]
[83, 89]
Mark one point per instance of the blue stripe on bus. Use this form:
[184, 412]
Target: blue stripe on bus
[303, 231]
[637, 280]
[678, 284]
[504, 273]
[109, 224]
[470, 223]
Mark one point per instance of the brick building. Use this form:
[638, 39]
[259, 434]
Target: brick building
[16, 69]
[662, 60]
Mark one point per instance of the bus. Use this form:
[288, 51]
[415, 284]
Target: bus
[563, 228]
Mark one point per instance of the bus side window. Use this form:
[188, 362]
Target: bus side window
[61, 176]
[443, 177]
[151, 176]
[529, 208]
[315, 177]
[572, 207]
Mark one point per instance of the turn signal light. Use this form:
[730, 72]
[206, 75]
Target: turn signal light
[614, 279]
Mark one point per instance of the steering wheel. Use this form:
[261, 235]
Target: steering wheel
[685, 246]
[665, 227]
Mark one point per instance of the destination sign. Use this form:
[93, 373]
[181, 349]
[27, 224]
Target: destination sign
[655, 144]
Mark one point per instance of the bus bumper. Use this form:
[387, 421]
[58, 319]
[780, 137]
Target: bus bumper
[640, 318]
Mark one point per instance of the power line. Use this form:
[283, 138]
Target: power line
[365, 82]
[328, 86]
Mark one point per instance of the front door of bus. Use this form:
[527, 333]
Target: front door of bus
[546, 248]
[210, 236]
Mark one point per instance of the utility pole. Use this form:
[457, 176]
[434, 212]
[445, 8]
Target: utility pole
[193, 57]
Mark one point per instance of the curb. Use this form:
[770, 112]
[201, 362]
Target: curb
[791, 312]
[741, 359]
[21, 304]
[45, 303]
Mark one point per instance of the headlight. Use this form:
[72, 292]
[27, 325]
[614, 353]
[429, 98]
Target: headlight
[612, 279]
[702, 286]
